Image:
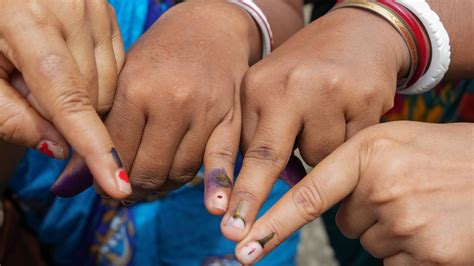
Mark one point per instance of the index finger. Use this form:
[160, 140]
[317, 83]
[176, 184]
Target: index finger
[330, 181]
[55, 81]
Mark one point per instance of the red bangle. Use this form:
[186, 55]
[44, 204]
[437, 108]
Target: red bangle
[419, 34]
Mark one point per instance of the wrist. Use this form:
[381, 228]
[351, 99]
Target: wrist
[393, 42]
[225, 28]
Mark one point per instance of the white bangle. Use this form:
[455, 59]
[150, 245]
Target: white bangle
[257, 14]
[440, 48]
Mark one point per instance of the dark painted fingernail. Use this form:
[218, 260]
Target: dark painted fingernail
[51, 149]
[73, 182]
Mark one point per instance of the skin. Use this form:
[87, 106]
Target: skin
[55, 89]
[408, 195]
[330, 80]
[179, 96]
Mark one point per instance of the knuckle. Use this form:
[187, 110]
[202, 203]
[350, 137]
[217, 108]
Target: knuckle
[344, 224]
[72, 102]
[309, 202]
[406, 225]
[104, 108]
[296, 76]
[225, 154]
[313, 154]
[369, 95]
[263, 153]
[274, 225]
[128, 88]
[245, 193]
[49, 64]
[184, 174]
[310, 156]
[252, 80]
[371, 247]
[33, 14]
[182, 96]
[147, 182]
[10, 127]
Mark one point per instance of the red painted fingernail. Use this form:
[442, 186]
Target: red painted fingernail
[51, 149]
[123, 182]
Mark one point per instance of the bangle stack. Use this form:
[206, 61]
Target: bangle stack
[424, 35]
[257, 14]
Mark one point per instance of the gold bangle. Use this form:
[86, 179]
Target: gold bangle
[397, 23]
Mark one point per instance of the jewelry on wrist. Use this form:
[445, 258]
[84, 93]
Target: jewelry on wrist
[397, 22]
[420, 36]
[440, 47]
[257, 14]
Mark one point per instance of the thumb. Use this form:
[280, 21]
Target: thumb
[330, 181]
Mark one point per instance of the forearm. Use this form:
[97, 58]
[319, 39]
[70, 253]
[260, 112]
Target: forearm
[458, 20]
[284, 16]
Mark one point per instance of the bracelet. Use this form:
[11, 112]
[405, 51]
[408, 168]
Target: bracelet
[257, 14]
[421, 38]
[397, 23]
[440, 48]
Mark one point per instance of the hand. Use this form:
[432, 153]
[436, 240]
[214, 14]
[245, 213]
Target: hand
[408, 190]
[63, 58]
[330, 80]
[178, 102]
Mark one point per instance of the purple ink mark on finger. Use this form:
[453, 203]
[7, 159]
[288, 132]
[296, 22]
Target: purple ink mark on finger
[116, 157]
[73, 183]
[293, 172]
[218, 178]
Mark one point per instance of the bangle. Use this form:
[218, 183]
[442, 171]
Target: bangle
[419, 34]
[397, 23]
[440, 48]
[257, 14]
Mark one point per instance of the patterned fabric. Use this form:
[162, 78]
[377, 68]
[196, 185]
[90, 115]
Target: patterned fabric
[88, 230]
[448, 102]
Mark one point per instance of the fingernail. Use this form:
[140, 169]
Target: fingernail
[51, 149]
[252, 250]
[122, 180]
[217, 184]
[236, 220]
[73, 182]
[121, 176]
[220, 201]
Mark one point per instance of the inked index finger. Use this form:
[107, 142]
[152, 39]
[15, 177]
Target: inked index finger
[55, 81]
[330, 181]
